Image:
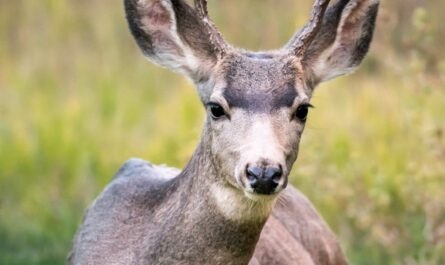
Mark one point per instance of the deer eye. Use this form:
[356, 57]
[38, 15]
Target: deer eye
[302, 112]
[216, 111]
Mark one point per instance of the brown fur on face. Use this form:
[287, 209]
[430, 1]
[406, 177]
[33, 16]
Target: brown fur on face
[259, 92]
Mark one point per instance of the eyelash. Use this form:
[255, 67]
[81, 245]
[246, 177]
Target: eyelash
[302, 112]
[216, 111]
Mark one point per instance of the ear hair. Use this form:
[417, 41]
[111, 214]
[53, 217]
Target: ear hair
[170, 34]
[343, 39]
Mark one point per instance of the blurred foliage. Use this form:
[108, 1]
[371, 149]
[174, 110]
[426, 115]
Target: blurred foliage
[77, 99]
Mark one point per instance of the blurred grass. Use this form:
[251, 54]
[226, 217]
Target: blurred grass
[77, 99]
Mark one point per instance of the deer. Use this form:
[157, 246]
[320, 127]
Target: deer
[232, 203]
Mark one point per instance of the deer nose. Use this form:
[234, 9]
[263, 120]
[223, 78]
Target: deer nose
[264, 180]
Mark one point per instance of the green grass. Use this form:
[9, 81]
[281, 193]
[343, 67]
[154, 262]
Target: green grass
[77, 99]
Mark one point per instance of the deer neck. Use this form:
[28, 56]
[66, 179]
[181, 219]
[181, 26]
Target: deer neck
[216, 213]
[206, 186]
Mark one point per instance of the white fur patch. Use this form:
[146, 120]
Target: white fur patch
[189, 58]
[176, 56]
[262, 142]
[238, 206]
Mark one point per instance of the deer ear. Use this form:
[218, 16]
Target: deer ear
[170, 33]
[343, 39]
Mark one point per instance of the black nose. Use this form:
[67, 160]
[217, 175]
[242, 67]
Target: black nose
[264, 180]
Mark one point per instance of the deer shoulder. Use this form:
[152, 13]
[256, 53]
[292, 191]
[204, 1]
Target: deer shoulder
[295, 233]
[123, 207]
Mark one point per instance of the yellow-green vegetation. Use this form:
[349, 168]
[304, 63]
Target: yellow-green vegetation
[77, 99]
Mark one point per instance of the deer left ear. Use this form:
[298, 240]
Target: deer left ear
[171, 33]
[342, 40]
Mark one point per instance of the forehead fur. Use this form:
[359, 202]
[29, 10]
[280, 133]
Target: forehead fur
[259, 82]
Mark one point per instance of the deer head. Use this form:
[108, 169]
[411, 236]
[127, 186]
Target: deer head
[257, 102]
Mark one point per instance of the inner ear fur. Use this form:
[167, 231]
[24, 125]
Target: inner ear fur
[170, 34]
[343, 39]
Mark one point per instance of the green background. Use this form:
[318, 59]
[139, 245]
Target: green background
[77, 99]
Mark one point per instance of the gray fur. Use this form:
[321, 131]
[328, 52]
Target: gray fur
[140, 217]
[118, 227]
[208, 213]
[273, 85]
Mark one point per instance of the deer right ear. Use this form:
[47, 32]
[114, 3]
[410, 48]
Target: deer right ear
[172, 34]
[342, 40]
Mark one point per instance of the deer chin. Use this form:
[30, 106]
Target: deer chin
[261, 198]
[240, 205]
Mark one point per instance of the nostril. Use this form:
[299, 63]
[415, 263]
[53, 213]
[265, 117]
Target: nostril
[253, 183]
[254, 173]
[274, 173]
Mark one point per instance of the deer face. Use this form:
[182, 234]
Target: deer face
[257, 103]
[256, 114]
